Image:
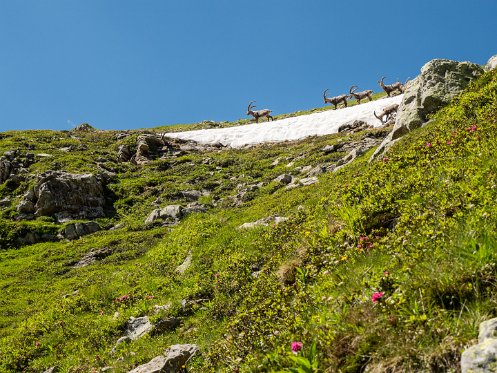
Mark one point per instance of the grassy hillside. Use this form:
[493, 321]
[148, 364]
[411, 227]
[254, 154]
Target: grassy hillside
[414, 231]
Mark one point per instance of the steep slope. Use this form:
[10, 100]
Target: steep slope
[388, 266]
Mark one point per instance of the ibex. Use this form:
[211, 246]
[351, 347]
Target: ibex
[388, 111]
[259, 113]
[360, 95]
[389, 88]
[335, 100]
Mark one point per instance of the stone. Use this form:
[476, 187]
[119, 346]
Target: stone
[84, 127]
[5, 202]
[481, 358]
[439, 82]
[68, 196]
[263, 222]
[166, 324]
[491, 64]
[354, 126]
[148, 147]
[5, 168]
[194, 207]
[329, 149]
[123, 153]
[153, 217]
[284, 179]
[76, 230]
[172, 361]
[186, 264]
[309, 181]
[25, 207]
[318, 170]
[172, 211]
[92, 256]
[138, 327]
[488, 329]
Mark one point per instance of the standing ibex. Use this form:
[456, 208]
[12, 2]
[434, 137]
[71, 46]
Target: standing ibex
[360, 95]
[388, 111]
[335, 100]
[389, 88]
[259, 113]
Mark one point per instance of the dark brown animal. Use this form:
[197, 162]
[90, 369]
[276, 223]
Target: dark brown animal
[389, 88]
[259, 113]
[335, 100]
[360, 95]
[388, 112]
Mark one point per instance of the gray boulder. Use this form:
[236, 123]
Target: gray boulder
[172, 361]
[439, 82]
[284, 179]
[174, 212]
[169, 213]
[482, 358]
[138, 327]
[67, 196]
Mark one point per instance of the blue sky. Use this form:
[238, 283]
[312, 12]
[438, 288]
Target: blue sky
[122, 64]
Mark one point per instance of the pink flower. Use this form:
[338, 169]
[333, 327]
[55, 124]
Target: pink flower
[377, 296]
[449, 142]
[386, 273]
[297, 346]
[429, 145]
[472, 128]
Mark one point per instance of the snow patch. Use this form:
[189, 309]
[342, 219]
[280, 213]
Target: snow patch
[296, 128]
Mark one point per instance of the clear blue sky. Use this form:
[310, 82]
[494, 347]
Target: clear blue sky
[123, 64]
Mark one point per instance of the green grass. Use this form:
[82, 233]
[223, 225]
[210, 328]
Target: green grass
[417, 225]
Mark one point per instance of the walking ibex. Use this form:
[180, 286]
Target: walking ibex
[335, 100]
[259, 113]
[360, 95]
[389, 88]
[388, 111]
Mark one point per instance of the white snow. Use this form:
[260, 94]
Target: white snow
[295, 128]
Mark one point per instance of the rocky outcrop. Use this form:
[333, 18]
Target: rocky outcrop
[123, 153]
[172, 361]
[5, 168]
[482, 358]
[76, 230]
[491, 64]
[13, 164]
[65, 196]
[439, 82]
[148, 147]
[84, 127]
